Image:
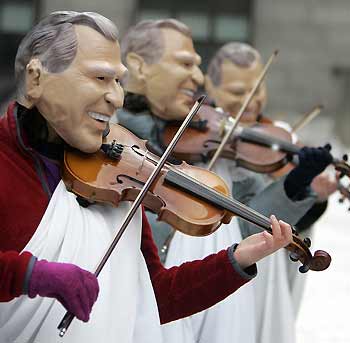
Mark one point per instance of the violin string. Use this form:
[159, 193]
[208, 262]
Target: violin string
[239, 208]
[254, 136]
[191, 185]
[230, 204]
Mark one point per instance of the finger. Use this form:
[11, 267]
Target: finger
[286, 231]
[276, 230]
[93, 287]
[268, 242]
[91, 284]
[74, 307]
[86, 301]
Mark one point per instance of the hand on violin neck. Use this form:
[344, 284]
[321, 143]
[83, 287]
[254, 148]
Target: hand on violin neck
[312, 162]
[324, 185]
[257, 246]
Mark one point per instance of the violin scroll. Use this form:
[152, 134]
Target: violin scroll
[299, 251]
[342, 166]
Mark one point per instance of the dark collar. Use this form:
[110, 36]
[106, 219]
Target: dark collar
[33, 125]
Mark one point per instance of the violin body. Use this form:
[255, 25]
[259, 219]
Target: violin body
[200, 145]
[98, 178]
[259, 158]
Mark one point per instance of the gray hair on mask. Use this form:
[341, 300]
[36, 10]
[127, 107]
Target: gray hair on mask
[146, 39]
[54, 42]
[241, 54]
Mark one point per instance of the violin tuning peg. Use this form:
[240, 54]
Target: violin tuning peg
[294, 231]
[328, 147]
[307, 242]
[341, 200]
[294, 257]
[304, 268]
[113, 150]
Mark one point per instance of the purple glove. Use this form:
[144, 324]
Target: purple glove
[75, 288]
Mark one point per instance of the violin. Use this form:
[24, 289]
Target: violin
[261, 147]
[193, 200]
[200, 144]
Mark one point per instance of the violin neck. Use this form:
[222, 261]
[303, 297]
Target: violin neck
[254, 136]
[192, 186]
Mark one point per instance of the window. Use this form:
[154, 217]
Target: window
[213, 22]
[230, 27]
[16, 18]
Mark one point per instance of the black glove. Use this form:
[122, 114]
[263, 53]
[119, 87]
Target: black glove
[312, 161]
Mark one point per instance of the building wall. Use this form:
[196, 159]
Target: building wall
[314, 61]
[313, 66]
[120, 11]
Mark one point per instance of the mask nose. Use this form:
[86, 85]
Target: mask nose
[197, 76]
[115, 96]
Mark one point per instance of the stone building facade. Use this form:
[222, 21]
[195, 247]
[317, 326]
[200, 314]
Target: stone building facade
[313, 66]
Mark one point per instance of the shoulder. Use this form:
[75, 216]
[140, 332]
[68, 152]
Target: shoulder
[141, 124]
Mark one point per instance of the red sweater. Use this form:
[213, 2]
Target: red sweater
[24, 196]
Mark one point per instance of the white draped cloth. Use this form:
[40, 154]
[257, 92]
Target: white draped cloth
[231, 320]
[262, 311]
[275, 311]
[126, 309]
[278, 292]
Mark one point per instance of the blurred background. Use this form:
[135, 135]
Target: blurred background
[313, 67]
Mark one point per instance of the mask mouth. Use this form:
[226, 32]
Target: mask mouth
[102, 118]
[188, 92]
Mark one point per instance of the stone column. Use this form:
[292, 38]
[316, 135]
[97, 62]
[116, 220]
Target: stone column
[342, 123]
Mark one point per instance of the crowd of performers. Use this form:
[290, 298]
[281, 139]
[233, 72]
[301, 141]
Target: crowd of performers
[73, 73]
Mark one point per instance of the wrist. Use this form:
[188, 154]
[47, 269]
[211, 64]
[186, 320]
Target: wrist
[28, 275]
[242, 262]
[247, 272]
[35, 278]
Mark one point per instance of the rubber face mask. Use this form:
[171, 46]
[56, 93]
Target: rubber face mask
[171, 82]
[236, 83]
[79, 102]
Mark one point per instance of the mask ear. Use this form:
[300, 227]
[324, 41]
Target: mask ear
[136, 72]
[33, 82]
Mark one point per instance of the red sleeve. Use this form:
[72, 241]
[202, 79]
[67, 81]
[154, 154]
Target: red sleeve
[13, 267]
[191, 287]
